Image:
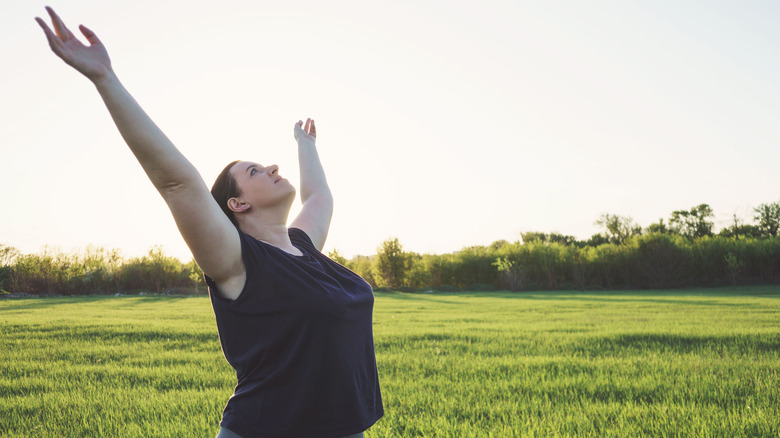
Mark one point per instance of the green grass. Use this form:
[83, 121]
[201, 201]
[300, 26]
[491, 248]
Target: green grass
[652, 363]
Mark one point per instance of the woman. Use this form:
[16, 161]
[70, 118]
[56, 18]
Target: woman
[295, 325]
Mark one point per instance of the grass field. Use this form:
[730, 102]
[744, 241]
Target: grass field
[658, 363]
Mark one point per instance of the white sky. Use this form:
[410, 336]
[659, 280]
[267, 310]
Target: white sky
[445, 124]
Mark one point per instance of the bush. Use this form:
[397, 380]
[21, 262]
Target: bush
[608, 265]
[155, 272]
[6, 273]
[474, 265]
[660, 261]
[364, 267]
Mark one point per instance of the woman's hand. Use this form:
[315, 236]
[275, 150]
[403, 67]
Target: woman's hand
[305, 132]
[92, 61]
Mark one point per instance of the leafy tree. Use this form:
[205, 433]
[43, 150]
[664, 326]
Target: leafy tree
[768, 218]
[693, 223]
[336, 256]
[417, 273]
[364, 267]
[498, 244]
[597, 239]
[195, 273]
[7, 254]
[734, 266]
[534, 236]
[618, 228]
[739, 230]
[562, 239]
[658, 228]
[744, 231]
[511, 271]
[391, 262]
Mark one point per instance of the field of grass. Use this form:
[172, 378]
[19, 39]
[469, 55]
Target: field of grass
[651, 363]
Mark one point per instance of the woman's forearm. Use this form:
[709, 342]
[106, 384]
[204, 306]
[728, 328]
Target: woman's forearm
[313, 181]
[165, 166]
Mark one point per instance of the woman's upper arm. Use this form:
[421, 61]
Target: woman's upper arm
[212, 238]
[314, 218]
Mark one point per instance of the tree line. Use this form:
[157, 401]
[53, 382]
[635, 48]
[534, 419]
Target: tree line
[684, 251]
[96, 271]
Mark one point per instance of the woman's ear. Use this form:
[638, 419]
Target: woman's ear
[237, 206]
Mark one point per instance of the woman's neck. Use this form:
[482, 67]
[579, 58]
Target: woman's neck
[272, 234]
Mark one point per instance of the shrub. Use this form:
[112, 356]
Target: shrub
[660, 261]
[364, 267]
[6, 273]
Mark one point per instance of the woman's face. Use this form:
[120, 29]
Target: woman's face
[262, 186]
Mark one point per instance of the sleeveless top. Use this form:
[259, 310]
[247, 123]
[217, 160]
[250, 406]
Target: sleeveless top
[301, 341]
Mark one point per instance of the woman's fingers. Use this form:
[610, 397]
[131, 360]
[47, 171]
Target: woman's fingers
[62, 33]
[297, 129]
[59, 26]
[54, 42]
[90, 60]
[307, 128]
[89, 35]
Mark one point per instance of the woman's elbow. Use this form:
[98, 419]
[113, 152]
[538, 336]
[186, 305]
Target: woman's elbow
[321, 195]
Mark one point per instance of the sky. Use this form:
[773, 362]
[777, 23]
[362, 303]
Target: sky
[444, 124]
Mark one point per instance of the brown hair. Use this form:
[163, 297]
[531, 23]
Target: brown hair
[224, 188]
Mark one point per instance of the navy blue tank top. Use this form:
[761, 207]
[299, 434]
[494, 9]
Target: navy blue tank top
[301, 341]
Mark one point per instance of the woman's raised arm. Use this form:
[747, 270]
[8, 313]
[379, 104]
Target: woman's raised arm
[211, 236]
[317, 199]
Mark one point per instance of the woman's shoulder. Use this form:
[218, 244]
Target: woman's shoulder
[299, 238]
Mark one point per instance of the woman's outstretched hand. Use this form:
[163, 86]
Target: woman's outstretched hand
[307, 131]
[92, 61]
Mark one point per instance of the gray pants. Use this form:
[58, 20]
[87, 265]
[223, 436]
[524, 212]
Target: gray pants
[227, 433]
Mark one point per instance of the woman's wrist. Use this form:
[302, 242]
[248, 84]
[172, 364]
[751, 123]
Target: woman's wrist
[306, 140]
[106, 79]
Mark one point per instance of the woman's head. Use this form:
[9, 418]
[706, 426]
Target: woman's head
[243, 187]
